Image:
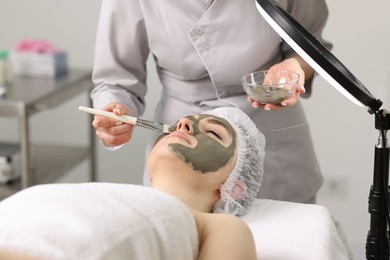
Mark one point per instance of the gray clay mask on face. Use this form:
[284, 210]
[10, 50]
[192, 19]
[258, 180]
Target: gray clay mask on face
[208, 155]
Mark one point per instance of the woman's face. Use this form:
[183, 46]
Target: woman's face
[203, 144]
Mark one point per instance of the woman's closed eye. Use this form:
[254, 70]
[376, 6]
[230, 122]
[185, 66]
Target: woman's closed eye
[216, 130]
[214, 133]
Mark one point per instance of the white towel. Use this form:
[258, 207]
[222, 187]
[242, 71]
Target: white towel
[97, 221]
[121, 221]
[295, 231]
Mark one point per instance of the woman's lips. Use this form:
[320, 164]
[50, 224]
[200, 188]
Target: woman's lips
[180, 135]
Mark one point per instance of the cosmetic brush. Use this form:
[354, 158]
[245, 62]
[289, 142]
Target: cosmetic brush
[162, 128]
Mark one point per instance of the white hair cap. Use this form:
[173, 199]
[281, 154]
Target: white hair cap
[243, 183]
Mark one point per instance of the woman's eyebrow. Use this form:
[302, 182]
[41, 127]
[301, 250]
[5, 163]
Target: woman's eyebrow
[217, 122]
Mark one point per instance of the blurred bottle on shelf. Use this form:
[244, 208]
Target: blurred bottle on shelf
[6, 75]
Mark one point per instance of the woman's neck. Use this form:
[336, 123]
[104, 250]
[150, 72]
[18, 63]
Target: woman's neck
[197, 200]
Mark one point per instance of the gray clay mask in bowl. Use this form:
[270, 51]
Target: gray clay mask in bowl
[270, 87]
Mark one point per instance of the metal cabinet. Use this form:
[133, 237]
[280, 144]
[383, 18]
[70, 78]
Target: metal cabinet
[28, 96]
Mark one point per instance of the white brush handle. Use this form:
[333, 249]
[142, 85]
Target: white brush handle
[125, 119]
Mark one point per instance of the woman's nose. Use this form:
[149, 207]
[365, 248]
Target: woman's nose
[185, 125]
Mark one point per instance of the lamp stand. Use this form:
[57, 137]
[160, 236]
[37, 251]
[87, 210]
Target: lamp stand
[377, 244]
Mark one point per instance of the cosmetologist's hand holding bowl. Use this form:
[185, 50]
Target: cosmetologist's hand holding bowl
[270, 87]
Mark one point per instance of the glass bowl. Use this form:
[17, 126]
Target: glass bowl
[270, 87]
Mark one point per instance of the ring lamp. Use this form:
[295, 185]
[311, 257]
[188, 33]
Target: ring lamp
[316, 55]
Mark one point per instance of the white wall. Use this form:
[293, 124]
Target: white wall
[343, 133]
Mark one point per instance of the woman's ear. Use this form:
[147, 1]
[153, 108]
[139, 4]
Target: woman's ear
[238, 191]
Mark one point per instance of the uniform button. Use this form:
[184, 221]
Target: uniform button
[222, 93]
[194, 35]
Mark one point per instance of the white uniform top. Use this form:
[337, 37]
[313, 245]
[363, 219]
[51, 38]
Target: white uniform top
[202, 50]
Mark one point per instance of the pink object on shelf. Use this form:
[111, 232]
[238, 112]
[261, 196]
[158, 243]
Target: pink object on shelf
[38, 58]
[36, 46]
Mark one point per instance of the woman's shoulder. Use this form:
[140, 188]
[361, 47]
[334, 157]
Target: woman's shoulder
[211, 221]
[228, 236]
